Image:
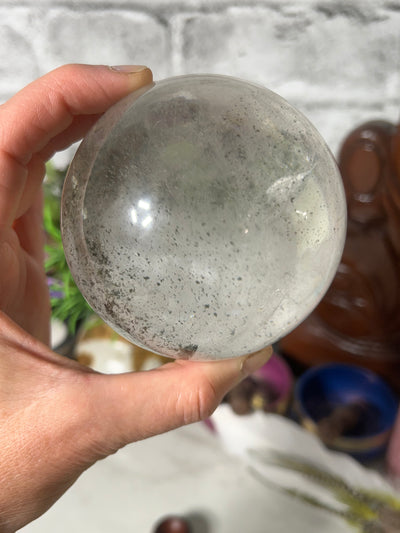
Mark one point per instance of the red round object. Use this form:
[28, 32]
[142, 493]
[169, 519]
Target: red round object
[173, 524]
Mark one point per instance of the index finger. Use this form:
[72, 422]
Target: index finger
[47, 106]
[42, 111]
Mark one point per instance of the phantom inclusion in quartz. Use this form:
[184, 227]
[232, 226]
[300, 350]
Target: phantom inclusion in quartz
[203, 217]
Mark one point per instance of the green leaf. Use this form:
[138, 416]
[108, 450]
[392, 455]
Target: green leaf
[72, 307]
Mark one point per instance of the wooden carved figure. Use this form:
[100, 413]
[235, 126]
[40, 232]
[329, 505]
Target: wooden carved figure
[358, 320]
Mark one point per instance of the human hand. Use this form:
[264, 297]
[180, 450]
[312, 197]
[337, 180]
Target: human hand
[57, 417]
[47, 116]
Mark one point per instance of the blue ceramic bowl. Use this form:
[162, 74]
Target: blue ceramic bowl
[324, 391]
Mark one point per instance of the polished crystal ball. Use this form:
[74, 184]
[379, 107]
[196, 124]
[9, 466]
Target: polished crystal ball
[203, 217]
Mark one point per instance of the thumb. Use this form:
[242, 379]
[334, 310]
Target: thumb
[142, 404]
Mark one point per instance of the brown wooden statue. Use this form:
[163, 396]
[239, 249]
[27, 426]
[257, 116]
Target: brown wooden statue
[358, 321]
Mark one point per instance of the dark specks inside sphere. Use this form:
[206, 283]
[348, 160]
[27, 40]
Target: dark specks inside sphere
[203, 217]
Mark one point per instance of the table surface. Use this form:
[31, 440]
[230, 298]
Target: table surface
[193, 472]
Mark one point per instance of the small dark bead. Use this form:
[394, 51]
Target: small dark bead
[173, 524]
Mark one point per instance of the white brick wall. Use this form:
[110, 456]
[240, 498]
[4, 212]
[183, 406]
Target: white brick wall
[336, 60]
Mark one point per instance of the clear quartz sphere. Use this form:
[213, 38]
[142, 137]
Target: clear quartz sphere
[203, 217]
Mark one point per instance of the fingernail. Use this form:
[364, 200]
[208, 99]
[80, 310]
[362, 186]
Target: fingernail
[129, 69]
[255, 361]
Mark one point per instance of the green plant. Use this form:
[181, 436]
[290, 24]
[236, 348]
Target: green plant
[67, 302]
[367, 511]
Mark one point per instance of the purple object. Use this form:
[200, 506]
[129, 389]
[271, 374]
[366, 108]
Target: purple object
[277, 374]
[55, 288]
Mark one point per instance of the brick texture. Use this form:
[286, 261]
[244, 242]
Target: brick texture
[19, 64]
[336, 60]
[307, 55]
[106, 36]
